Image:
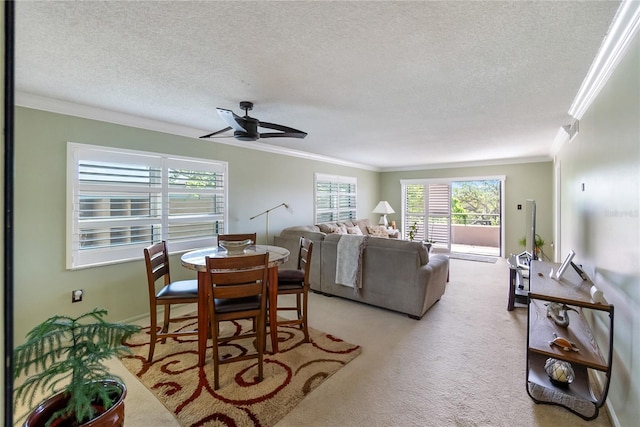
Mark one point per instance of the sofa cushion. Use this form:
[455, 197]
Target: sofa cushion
[378, 231]
[362, 224]
[354, 230]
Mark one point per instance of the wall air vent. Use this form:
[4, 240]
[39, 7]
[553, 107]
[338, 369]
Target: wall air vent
[572, 129]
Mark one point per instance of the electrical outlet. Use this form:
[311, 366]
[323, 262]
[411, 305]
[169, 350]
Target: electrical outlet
[76, 296]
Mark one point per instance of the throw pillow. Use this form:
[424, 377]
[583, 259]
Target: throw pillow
[340, 229]
[377, 231]
[354, 230]
[327, 228]
[332, 228]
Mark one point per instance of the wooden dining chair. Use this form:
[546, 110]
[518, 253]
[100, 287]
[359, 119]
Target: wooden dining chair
[156, 259]
[237, 237]
[238, 291]
[296, 282]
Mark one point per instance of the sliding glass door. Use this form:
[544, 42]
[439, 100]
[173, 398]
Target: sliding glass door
[456, 214]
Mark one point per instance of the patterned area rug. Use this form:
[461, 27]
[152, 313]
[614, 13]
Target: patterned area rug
[187, 390]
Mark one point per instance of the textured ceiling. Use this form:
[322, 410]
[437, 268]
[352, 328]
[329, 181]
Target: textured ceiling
[385, 84]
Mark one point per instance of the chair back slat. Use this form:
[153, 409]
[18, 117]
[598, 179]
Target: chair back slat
[304, 259]
[237, 277]
[157, 262]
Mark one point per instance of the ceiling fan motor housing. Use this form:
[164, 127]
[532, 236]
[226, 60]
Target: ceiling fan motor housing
[250, 125]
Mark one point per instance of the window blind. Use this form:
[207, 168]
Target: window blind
[335, 198]
[122, 201]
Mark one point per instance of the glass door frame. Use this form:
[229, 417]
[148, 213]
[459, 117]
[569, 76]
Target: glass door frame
[449, 181]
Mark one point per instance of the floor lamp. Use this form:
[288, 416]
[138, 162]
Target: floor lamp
[267, 215]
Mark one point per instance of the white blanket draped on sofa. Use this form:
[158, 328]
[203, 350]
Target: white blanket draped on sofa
[349, 260]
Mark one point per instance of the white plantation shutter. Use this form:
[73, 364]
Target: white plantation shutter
[414, 210]
[335, 198]
[439, 213]
[428, 206]
[122, 201]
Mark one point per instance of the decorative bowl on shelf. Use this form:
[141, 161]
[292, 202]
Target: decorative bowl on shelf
[560, 372]
[235, 248]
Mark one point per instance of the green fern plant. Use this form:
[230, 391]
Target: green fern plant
[68, 355]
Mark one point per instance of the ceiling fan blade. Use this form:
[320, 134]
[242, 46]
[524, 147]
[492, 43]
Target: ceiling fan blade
[285, 131]
[283, 135]
[232, 119]
[216, 133]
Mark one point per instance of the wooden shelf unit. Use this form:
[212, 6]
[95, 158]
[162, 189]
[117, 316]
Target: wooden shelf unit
[572, 290]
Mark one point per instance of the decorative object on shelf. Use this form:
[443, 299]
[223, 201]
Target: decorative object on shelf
[287, 207]
[596, 295]
[558, 312]
[383, 208]
[236, 248]
[72, 349]
[560, 372]
[563, 343]
[565, 264]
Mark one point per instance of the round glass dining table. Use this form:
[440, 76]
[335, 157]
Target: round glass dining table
[195, 260]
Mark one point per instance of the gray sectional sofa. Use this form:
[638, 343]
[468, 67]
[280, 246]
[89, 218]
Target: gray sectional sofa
[396, 274]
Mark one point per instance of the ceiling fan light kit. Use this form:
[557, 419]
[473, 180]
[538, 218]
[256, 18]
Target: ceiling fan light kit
[246, 128]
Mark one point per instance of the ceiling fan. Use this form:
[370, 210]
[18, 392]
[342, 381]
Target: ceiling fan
[246, 128]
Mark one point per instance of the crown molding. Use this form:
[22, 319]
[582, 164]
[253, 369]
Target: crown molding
[37, 102]
[492, 162]
[623, 29]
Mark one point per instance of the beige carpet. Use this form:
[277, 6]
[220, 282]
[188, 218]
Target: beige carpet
[187, 390]
[463, 364]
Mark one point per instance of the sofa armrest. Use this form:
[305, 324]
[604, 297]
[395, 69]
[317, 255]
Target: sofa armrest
[434, 275]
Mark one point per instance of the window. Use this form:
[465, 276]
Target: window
[335, 198]
[122, 201]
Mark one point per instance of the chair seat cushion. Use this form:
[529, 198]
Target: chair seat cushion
[290, 286]
[289, 276]
[230, 305]
[179, 289]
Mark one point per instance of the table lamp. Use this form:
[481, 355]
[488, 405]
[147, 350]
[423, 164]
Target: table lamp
[383, 208]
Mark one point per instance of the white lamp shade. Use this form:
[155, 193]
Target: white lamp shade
[383, 208]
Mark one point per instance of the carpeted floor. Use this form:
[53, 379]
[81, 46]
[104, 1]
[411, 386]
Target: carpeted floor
[462, 364]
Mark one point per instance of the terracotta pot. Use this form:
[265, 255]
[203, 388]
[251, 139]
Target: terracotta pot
[113, 417]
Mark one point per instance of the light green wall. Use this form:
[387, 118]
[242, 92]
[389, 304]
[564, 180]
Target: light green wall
[257, 181]
[523, 181]
[602, 223]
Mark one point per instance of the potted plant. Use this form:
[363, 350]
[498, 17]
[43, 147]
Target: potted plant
[539, 244]
[68, 355]
[413, 230]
